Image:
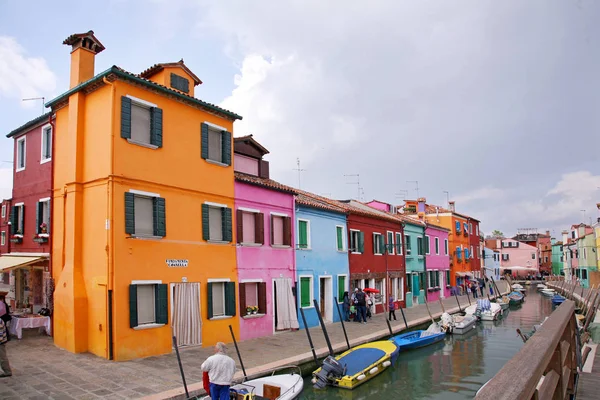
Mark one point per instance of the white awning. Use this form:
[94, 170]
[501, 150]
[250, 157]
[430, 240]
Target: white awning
[12, 262]
[464, 273]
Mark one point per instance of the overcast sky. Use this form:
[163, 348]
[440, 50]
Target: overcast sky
[495, 102]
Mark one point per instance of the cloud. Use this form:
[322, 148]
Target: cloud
[484, 193]
[6, 181]
[22, 76]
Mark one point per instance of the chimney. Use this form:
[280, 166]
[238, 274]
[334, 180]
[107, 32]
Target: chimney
[84, 47]
[421, 204]
[547, 233]
[452, 206]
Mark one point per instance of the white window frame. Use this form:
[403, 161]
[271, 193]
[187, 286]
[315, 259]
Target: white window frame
[386, 244]
[355, 250]
[408, 248]
[24, 140]
[312, 289]
[400, 285]
[477, 230]
[220, 129]
[470, 228]
[396, 234]
[376, 242]
[383, 291]
[142, 193]
[224, 316]
[446, 246]
[144, 104]
[3, 210]
[344, 244]
[44, 160]
[423, 242]
[471, 253]
[21, 220]
[437, 246]
[428, 242]
[148, 283]
[45, 200]
[3, 238]
[308, 241]
[245, 210]
[346, 286]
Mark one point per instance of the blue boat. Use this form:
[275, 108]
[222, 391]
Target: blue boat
[416, 339]
[515, 298]
[557, 300]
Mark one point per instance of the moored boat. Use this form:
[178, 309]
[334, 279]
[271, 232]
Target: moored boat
[541, 286]
[356, 366]
[485, 310]
[557, 299]
[547, 292]
[504, 302]
[464, 324]
[515, 298]
[416, 339]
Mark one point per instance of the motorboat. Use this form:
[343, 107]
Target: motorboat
[416, 339]
[464, 324]
[356, 366]
[504, 302]
[515, 298]
[485, 310]
[557, 299]
[548, 292]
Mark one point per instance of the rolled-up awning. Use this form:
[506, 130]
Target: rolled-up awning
[463, 273]
[12, 262]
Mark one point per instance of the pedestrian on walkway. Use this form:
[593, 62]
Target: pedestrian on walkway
[220, 368]
[4, 364]
[361, 306]
[474, 289]
[481, 286]
[369, 298]
[346, 307]
[392, 309]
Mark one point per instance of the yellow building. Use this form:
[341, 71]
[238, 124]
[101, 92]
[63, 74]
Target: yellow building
[142, 199]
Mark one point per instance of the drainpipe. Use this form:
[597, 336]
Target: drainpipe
[50, 236]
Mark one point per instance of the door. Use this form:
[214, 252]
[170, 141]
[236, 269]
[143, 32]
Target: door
[416, 288]
[185, 315]
[284, 309]
[326, 298]
[322, 297]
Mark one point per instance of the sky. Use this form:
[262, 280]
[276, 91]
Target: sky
[494, 102]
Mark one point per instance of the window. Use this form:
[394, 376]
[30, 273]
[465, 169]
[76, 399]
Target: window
[250, 226]
[584, 274]
[3, 238]
[379, 285]
[504, 257]
[148, 303]
[216, 144]
[341, 287]
[458, 253]
[399, 295]
[3, 211]
[357, 241]
[421, 281]
[533, 256]
[437, 246]
[408, 245]
[216, 222]
[43, 217]
[447, 277]
[281, 230]
[221, 299]
[339, 234]
[546, 259]
[427, 245]
[446, 247]
[141, 122]
[390, 242]
[477, 230]
[46, 144]
[431, 279]
[420, 249]
[145, 214]
[253, 294]
[306, 290]
[398, 243]
[408, 283]
[584, 253]
[21, 154]
[17, 220]
[466, 254]
[458, 226]
[562, 259]
[465, 227]
[378, 243]
[471, 254]
[180, 83]
[470, 228]
[303, 234]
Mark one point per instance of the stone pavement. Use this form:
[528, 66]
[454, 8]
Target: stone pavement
[42, 371]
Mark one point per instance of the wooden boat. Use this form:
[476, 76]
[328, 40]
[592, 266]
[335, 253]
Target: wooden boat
[557, 299]
[278, 387]
[515, 298]
[416, 339]
[504, 302]
[547, 292]
[541, 286]
[356, 366]
[464, 324]
[484, 310]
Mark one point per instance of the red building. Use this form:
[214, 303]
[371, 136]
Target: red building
[26, 249]
[475, 243]
[5, 226]
[376, 255]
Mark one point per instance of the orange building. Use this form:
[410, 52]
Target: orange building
[462, 260]
[142, 196]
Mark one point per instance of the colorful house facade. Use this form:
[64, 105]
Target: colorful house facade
[557, 258]
[474, 247]
[521, 257]
[321, 258]
[265, 245]
[415, 248]
[586, 246]
[492, 263]
[437, 262]
[143, 224]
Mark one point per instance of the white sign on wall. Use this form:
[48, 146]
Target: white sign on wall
[176, 263]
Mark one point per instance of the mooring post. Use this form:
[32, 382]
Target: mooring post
[238, 352]
[323, 327]
[457, 302]
[342, 321]
[403, 317]
[312, 347]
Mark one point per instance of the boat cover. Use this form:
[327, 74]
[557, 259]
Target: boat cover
[359, 359]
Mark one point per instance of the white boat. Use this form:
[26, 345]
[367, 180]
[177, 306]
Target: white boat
[548, 292]
[517, 286]
[485, 310]
[464, 324]
[278, 387]
[504, 302]
[541, 286]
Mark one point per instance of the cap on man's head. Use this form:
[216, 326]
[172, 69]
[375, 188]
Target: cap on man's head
[356, 289]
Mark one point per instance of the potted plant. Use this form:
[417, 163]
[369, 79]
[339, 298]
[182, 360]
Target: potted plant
[43, 228]
[249, 310]
[254, 309]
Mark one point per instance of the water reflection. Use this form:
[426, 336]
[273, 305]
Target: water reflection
[453, 369]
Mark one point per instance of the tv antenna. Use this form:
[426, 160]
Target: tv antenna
[447, 198]
[43, 99]
[401, 194]
[417, 186]
[583, 211]
[300, 170]
[357, 183]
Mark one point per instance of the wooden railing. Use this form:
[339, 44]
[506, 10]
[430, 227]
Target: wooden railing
[545, 367]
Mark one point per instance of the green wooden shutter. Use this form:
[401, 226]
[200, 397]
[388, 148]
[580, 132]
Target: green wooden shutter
[204, 141]
[205, 223]
[341, 287]
[133, 311]
[209, 305]
[230, 298]
[160, 217]
[125, 117]
[340, 238]
[361, 242]
[13, 220]
[427, 244]
[227, 224]
[38, 217]
[305, 292]
[129, 213]
[156, 126]
[302, 235]
[161, 304]
[226, 147]
[180, 83]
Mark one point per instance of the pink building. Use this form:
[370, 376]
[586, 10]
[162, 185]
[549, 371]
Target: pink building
[437, 262]
[265, 244]
[520, 258]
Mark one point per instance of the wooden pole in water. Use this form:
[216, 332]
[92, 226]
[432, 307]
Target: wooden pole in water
[342, 321]
[187, 395]
[457, 302]
[467, 290]
[429, 312]
[498, 294]
[591, 308]
[310, 342]
[323, 327]
[238, 352]
[442, 304]
[586, 300]
[389, 327]
[403, 317]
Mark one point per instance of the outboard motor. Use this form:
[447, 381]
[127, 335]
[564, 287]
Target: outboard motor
[331, 369]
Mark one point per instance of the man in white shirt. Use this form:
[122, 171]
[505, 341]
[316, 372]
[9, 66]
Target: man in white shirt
[220, 368]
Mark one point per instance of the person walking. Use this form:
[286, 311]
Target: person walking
[392, 308]
[369, 299]
[481, 286]
[474, 289]
[346, 307]
[4, 364]
[361, 306]
[220, 368]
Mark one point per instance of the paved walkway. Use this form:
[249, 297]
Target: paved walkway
[42, 371]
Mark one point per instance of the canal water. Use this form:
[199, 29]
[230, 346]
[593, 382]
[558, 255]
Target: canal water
[453, 369]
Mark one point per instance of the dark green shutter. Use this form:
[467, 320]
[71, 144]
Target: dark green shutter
[161, 304]
[180, 83]
[156, 126]
[209, 306]
[305, 292]
[204, 140]
[361, 242]
[13, 220]
[38, 217]
[133, 311]
[125, 117]
[340, 241]
[427, 244]
[205, 223]
[129, 213]
[341, 288]
[230, 298]
[302, 234]
[226, 222]
[226, 147]
[160, 217]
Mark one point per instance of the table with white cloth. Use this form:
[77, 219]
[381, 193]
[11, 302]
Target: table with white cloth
[17, 324]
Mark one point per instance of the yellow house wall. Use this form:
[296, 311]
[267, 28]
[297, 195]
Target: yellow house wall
[164, 78]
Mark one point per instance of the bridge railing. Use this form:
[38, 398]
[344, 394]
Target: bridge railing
[546, 365]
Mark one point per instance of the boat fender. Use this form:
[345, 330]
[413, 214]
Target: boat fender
[373, 370]
[314, 380]
[361, 377]
[387, 363]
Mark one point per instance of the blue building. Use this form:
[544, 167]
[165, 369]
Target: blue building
[491, 263]
[415, 244]
[322, 270]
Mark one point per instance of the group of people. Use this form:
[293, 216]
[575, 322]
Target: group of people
[474, 285]
[359, 306]
[4, 337]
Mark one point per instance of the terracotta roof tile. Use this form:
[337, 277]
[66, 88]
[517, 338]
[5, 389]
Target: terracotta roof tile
[30, 124]
[315, 201]
[266, 183]
[72, 39]
[147, 73]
